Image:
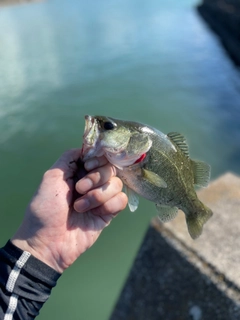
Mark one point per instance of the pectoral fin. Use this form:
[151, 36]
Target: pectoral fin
[154, 178]
[133, 199]
[166, 213]
[201, 171]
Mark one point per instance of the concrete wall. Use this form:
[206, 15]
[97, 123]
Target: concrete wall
[223, 16]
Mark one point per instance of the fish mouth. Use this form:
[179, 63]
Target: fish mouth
[89, 122]
[90, 137]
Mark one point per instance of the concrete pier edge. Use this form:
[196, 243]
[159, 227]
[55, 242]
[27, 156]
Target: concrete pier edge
[206, 268]
[175, 277]
[223, 17]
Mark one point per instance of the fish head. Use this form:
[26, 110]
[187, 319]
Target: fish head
[122, 142]
[103, 134]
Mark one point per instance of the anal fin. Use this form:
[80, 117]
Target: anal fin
[166, 213]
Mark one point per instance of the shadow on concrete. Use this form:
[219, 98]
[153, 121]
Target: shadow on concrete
[164, 285]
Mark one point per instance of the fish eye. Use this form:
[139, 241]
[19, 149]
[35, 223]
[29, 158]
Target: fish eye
[108, 125]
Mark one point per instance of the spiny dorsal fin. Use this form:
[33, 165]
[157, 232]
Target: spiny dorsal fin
[179, 140]
[201, 172]
[154, 178]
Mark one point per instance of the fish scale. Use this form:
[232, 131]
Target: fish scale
[151, 164]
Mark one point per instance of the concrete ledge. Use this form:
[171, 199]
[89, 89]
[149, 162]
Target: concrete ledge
[175, 277]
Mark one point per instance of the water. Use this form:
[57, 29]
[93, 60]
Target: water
[154, 62]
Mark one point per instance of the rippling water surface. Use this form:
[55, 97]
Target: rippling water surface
[154, 62]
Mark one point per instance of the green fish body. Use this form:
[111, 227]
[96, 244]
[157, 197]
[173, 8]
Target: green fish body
[153, 165]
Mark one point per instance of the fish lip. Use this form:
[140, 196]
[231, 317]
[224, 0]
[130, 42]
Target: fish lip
[90, 137]
[89, 122]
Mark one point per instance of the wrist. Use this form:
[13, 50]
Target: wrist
[39, 251]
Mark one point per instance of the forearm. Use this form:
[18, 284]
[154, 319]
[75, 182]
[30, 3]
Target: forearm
[25, 283]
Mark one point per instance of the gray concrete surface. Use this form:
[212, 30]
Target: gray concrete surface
[175, 277]
[223, 17]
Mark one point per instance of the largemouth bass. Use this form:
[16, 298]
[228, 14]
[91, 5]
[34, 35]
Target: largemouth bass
[151, 164]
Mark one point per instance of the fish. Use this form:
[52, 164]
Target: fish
[153, 165]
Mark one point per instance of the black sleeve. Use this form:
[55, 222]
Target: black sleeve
[25, 283]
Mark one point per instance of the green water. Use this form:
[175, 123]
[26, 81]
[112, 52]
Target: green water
[150, 61]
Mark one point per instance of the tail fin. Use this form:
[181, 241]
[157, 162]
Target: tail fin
[196, 220]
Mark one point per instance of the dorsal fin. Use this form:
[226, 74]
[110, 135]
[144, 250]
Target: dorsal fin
[179, 140]
[202, 172]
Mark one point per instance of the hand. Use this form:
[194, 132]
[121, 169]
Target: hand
[57, 228]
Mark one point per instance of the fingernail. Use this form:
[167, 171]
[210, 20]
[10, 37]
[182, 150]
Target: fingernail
[82, 205]
[91, 164]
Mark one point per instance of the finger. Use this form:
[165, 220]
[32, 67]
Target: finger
[67, 163]
[113, 206]
[98, 196]
[68, 157]
[95, 163]
[95, 178]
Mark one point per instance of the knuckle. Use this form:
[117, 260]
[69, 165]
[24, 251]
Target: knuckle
[108, 209]
[51, 173]
[102, 161]
[47, 173]
[97, 195]
[124, 200]
[95, 177]
[118, 183]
